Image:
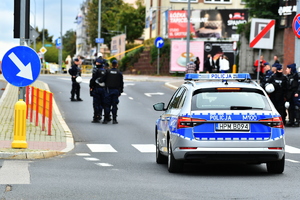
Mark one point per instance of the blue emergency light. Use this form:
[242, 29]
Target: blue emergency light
[221, 76]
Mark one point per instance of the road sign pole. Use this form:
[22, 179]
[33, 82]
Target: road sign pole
[258, 65]
[22, 38]
[157, 61]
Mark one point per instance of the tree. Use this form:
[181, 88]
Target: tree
[115, 17]
[47, 37]
[108, 19]
[69, 43]
[134, 20]
[267, 9]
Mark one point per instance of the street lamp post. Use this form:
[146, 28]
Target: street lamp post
[61, 38]
[99, 25]
[188, 33]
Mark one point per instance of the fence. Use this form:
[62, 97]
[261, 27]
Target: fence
[39, 101]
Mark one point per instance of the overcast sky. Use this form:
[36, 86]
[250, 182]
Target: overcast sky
[52, 19]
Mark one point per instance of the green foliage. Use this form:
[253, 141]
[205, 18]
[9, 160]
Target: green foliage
[116, 16]
[267, 9]
[47, 37]
[69, 44]
[164, 51]
[130, 58]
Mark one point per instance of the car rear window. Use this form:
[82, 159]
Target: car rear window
[229, 100]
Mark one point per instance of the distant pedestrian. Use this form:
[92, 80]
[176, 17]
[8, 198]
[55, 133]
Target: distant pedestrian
[97, 90]
[276, 60]
[259, 66]
[209, 64]
[190, 67]
[224, 64]
[114, 87]
[292, 93]
[197, 63]
[75, 72]
[268, 73]
[68, 62]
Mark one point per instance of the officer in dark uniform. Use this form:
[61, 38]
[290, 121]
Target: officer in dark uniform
[75, 71]
[292, 92]
[114, 87]
[97, 90]
[267, 75]
[279, 80]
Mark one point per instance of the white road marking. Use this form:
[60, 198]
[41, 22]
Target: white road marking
[101, 148]
[130, 98]
[83, 154]
[123, 94]
[145, 148]
[15, 172]
[91, 159]
[104, 164]
[290, 149]
[293, 161]
[151, 94]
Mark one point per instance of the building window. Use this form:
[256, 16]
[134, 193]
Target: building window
[243, 2]
[217, 1]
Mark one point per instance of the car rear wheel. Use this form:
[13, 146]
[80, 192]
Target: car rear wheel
[276, 167]
[160, 159]
[174, 166]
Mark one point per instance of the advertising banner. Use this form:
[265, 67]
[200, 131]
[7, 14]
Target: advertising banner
[177, 24]
[216, 49]
[206, 23]
[178, 54]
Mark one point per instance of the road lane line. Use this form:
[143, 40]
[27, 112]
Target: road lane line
[101, 148]
[15, 172]
[145, 148]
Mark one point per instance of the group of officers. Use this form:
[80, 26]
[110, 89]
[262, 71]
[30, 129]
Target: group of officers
[283, 90]
[106, 85]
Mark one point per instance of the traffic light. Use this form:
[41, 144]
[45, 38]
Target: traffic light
[17, 14]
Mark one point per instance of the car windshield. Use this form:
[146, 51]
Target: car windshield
[229, 100]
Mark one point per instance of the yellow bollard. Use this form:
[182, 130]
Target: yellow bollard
[234, 68]
[20, 126]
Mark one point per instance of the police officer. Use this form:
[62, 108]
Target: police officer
[279, 80]
[75, 72]
[267, 75]
[292, 92]
[114, 87]
[97, 90]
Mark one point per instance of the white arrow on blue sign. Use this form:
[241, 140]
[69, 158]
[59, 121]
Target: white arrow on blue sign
[159, 42]
[21, 66]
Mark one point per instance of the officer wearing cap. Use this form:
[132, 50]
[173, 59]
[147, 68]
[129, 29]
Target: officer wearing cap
[114, 87]
[75, 72]
[292, 93]
[97, 90]
[279, 80]
[268, 73]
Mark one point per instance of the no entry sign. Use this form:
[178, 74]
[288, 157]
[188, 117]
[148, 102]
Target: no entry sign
[262, 33]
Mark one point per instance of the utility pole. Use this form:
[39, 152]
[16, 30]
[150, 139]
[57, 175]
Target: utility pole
[297, 41]
[61, 38]
[99, 25]
[188, 33]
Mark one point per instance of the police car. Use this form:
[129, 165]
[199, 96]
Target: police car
[219, 117]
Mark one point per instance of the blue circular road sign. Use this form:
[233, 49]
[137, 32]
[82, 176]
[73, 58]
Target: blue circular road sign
[159, 42]
[21, 66]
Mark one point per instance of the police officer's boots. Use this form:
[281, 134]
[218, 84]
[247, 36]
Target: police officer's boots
[115, 120]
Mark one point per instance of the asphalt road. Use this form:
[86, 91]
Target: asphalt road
[118, 161]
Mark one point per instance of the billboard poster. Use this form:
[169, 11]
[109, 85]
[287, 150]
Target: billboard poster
[178, 54]
[177, 24]
[216, 49]
[206, 23]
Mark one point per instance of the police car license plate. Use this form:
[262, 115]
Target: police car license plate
[232, 127]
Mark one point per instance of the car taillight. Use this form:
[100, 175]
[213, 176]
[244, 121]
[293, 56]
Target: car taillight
[186, 122]
[275, 122]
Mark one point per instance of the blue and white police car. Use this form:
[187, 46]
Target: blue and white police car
[219, 118]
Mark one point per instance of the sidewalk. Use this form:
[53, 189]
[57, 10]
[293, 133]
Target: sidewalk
[40, 144]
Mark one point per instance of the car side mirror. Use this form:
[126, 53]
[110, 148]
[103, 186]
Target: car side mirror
[159, 106]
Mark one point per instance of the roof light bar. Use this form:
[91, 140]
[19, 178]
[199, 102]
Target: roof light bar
[221, 76]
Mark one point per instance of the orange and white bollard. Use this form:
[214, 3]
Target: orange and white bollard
[20, 126]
